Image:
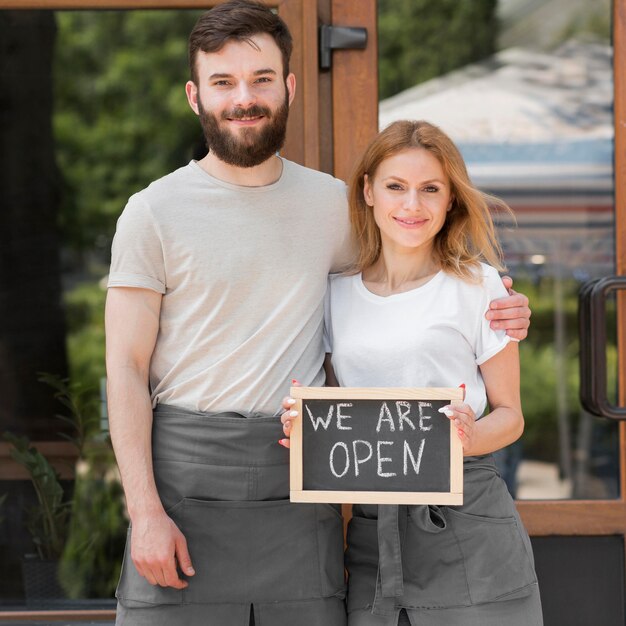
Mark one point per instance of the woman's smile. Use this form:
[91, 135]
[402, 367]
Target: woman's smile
[410, 222]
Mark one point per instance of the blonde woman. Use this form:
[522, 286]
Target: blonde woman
[411, 314]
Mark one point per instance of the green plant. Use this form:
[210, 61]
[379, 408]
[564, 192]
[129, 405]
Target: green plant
[91, 556]
[86, 534]
[48, 522]
[82, 406]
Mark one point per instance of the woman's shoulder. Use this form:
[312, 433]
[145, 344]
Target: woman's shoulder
[479, 274]
[487, 271]
[485, 278]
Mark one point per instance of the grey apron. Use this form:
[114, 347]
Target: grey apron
[223, 479]
[444, 565]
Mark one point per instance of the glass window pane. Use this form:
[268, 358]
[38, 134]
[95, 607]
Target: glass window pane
[93, 109]
[534, 123]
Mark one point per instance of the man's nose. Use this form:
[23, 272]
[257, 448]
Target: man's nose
[244, 96]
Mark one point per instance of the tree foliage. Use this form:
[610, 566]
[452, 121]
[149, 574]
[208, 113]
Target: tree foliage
[421, 39]
[121, 116]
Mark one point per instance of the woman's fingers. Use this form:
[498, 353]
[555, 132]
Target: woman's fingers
[286, 418]
[463, 417]
[288, 402]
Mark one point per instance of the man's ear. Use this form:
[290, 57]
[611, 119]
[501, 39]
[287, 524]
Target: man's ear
[191, 89]
[290, 83]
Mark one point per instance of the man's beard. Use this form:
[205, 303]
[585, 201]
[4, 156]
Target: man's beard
[248, 146]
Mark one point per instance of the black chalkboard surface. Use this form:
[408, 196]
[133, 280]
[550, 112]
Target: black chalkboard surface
[375, 445]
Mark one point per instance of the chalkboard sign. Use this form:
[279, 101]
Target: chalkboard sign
[375, 446]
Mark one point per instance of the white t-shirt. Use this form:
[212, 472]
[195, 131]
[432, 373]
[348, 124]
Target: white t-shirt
[432, 336]
[243, 273]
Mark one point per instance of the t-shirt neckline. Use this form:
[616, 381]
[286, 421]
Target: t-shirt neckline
[242, 188]
[364, 291]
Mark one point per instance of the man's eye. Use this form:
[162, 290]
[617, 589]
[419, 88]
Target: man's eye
[221, 83]
[264, 79]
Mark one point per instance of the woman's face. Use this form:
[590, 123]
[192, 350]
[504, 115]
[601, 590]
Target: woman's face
[411, 196]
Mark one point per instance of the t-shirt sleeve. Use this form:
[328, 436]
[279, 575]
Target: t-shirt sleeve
[328, 333]
[488, 341]
[137, 251]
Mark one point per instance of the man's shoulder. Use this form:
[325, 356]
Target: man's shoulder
[313, 177]
[170, 183]
[157, 199]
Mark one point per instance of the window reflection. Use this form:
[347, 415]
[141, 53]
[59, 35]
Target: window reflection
[534, 123]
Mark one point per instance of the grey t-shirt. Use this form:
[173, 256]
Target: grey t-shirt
[243, 274]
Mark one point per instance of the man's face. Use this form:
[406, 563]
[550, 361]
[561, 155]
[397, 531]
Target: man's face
[242, 100]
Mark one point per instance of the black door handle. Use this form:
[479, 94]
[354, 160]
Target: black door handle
[592, 332]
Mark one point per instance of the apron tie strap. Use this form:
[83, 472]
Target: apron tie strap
[389, 580]
[389, 551]
[392, 521]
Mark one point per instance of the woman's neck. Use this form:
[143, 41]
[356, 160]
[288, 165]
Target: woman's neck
[399, 272]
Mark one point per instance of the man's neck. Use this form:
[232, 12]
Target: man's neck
[260, 175]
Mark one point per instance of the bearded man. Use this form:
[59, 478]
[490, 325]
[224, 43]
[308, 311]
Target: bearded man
[215, 302]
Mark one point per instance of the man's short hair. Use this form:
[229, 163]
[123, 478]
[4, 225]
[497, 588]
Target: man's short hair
[237, 20]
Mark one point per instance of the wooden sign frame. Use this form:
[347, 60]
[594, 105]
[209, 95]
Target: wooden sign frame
[296, 475]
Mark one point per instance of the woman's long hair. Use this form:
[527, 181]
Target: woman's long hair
[468, 234]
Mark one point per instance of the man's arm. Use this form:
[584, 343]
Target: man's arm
[132, 325]
[511, 313]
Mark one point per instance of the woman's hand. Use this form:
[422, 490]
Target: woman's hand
[286, 418]
[464, 419]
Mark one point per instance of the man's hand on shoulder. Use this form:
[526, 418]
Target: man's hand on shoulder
[157, 545]
[510, 313]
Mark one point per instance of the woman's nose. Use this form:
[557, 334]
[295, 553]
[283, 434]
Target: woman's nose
[412, 201]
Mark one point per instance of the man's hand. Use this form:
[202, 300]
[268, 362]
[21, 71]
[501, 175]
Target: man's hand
[511, 313]
[157, 545]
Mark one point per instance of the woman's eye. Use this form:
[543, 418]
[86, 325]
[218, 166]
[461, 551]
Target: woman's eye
[431, 189]
[394, 186]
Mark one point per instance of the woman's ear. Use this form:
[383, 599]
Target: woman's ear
[450, 204]
[367, 191]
